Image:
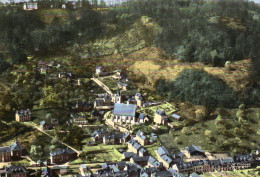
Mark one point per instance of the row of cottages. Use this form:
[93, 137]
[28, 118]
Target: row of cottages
[135, 147]
[49, 125]
[23, 115]
[205, 166]
[66, 76]
[164, 156]
[14, 171]
[62, 155]
[82, 107]
[12, 152]
[98, 135]
[116, 138]
[78, 119]
[126, 113]
[105, 101]
[133, 170]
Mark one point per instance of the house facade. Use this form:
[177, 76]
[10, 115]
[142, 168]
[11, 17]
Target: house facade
[141, 138]
[160, 118]
[9, 153]
[62, 155]
[15, 171]
[23, 115]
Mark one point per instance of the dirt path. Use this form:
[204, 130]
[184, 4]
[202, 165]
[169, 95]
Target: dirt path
[102, 85]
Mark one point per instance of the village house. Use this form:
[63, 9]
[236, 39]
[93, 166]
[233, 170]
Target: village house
[141, 118]
[122, 86]
[15, 171]
[98, 135]
[97, 115]
[30, 6]
[12, 152]
[137, 100]
[79, 119]
[64, 75]
[99, 70]
[134, 146]
[242, 161]
[152, 162]
[127, 155]
[43, 70]
[193, 152]
[118, 75]
[124, 113]
[83, 107]
[105, 101]
[23, 115]
[147, 172]
[142, 161]
[164, 156]
[45, 126]
[161, 174]
[141, 138]
[113, 138]
[62, 155]
[160, 118]
[117, 98]
[121, 165]
[143, 152]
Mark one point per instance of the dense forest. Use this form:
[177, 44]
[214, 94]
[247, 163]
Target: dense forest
[208, 32]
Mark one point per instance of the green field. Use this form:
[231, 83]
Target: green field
[101, 153]
[167, 107]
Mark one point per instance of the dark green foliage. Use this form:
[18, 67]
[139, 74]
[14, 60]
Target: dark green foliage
[199, 87]
[197, 31]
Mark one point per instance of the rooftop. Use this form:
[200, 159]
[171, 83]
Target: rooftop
[124, 109]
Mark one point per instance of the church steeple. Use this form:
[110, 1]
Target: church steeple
[118, 91]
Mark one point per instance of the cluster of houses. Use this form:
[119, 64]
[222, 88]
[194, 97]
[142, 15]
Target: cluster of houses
[137, 161]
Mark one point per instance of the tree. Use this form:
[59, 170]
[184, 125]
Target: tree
[102, 4]
[207, 133]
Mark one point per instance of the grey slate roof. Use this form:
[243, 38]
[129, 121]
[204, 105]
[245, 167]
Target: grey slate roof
[163, 174]
[162, 150]
[142, 150]
[113, 136]
[141, 135]
[194, 148]
[154, 162]
[121, 109]
[15, 169]
[242, 158]
[16, 146]
[128, 154]
[23, 112]
[166, 158]
[141, 159]
[160, 112]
